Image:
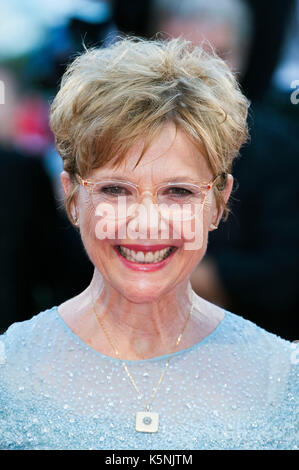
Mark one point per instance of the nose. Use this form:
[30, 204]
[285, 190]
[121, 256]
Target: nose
[147, 194]
[147, 217]
[149, 214]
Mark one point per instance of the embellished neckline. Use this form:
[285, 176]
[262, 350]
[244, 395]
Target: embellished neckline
[80, 342]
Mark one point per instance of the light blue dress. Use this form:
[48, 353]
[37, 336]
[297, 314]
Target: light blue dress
[236, 389]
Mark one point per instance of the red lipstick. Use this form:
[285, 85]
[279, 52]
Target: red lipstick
[145, 267]
[146, 248]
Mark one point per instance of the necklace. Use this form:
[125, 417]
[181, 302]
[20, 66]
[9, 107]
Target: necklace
[146, 421]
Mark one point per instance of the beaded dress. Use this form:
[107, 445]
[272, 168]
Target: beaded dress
[235, 389]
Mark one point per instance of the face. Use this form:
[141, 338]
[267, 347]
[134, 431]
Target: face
[145, 276]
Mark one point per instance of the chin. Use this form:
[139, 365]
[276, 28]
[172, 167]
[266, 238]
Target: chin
[142, 291]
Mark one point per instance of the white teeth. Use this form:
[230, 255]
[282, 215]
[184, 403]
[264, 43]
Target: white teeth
[149, 258]
[145, 257]
[139, 256]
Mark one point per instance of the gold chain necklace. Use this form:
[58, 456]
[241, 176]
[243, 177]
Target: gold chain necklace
[146, 421]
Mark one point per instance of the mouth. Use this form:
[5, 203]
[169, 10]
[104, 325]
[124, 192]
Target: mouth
[145, 255]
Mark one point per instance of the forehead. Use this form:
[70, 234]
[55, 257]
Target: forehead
[171, 154]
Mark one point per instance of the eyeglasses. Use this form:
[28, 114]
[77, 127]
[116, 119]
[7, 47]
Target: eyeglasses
[120, 199]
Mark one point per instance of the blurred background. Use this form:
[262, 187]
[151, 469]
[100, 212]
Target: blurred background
[251, 265]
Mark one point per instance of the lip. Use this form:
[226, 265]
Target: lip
[149, 267]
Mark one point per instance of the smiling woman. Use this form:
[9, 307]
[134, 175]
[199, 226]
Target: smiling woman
[148, 131]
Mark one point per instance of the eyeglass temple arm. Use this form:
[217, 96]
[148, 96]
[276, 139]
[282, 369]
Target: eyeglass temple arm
[83, 182]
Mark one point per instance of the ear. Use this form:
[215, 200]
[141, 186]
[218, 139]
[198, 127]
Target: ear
[67, 185]
[65, 181]
[226, 192]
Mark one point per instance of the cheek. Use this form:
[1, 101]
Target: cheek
[104, 229]
[195, 232]
[88, 226]
[195, 236]
[96, 235]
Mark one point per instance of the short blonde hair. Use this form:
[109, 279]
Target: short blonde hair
[111, 97]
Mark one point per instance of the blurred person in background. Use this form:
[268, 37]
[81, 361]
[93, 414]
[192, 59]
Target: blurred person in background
[252, 260]
[283, 92]
[36, 235]
[29, 244]
[8, 105]
[225, 24]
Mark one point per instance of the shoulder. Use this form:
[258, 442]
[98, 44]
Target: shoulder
[269, 364]
[22, 354]
[22, 338]
[246, 333]
[25, 357]
[234, 327]
[275, 358]
[247, 345]
[26, 326]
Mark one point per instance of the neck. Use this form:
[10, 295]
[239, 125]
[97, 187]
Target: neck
[143, 329]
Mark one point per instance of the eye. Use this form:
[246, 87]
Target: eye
[114, 190]
[177, 191]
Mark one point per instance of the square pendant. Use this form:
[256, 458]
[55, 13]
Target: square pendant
[147, 421]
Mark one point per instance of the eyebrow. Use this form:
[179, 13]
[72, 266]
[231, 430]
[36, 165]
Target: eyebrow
[180, 178]
[175, 179]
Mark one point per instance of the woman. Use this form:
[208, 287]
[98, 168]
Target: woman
[147, 131]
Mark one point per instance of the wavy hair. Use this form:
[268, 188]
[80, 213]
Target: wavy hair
[110, 97]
